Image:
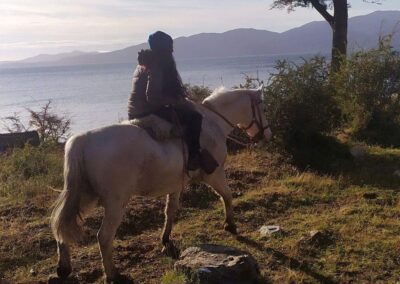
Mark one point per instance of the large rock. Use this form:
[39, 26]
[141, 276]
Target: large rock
[214, 264]
[19, 139]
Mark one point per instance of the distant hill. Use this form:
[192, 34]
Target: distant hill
[314, 37]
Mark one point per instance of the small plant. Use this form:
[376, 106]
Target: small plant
[198, 93]
[173, 277]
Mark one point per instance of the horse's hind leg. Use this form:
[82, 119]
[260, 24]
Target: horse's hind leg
[64, 260]
[219, 183]
[112, 219]
[171, 207]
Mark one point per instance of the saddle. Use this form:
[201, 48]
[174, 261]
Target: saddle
[158, 128]
[161, 130]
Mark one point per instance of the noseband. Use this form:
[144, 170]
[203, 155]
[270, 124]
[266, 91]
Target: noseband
[256, 118]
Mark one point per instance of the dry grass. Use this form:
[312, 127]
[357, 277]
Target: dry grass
[359, 210]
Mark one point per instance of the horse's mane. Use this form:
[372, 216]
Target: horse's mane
[224, 95]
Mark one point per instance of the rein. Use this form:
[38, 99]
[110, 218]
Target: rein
[256, 119]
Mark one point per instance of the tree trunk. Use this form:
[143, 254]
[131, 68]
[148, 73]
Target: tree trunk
[339, 31]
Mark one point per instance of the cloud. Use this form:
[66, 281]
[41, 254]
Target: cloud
[42, 25]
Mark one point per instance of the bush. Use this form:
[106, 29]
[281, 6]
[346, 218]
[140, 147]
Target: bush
[198, 93]
[300, 101]
[368, 88]
[173, 277]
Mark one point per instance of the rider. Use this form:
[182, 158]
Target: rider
[158, 89]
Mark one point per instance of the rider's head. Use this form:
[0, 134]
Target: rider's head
[161, 42]
[161, 45]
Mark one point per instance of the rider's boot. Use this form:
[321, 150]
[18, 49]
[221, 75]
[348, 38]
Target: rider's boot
[194, 162]
[207, 161]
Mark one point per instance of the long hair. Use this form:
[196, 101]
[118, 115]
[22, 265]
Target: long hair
[172, 83]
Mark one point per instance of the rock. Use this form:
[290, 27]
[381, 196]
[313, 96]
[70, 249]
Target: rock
[396, 173]
[357, 151]
[320, 238]
[209, 264]
[269, 230]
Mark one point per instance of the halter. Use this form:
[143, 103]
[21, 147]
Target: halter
[256, 118]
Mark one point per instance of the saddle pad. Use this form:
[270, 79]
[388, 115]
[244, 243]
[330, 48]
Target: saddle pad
[157, 127]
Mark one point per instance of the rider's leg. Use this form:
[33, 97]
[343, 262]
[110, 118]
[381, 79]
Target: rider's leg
[192, 121]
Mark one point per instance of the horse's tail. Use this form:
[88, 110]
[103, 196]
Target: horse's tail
[66, 218]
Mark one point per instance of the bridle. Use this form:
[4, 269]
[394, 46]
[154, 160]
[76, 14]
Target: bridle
[256, 119]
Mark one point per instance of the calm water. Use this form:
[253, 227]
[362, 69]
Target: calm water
[95, 96]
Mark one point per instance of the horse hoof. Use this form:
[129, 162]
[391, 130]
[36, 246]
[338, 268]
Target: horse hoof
[231, 228]
[63, 272]
[119, 279]
[170, 250]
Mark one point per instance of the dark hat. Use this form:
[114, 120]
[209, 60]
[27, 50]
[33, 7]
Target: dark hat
[160, 41]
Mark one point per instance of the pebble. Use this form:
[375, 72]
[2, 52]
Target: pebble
[269, 230]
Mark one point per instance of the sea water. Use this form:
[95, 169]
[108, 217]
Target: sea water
[97, 95]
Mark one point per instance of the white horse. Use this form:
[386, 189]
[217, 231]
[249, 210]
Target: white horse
[107, 166]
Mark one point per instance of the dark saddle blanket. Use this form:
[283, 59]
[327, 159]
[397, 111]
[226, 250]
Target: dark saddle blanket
[158, 128]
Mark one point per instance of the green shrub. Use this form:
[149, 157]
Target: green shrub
[368, 88]
[173, 277]
[198, 93]
[300, 101]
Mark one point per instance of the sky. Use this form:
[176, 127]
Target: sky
[29, 28]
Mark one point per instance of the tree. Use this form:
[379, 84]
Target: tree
[337, 21]
[50, 126]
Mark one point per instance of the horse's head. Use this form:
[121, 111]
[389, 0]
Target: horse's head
[257, 126]
[242, 108]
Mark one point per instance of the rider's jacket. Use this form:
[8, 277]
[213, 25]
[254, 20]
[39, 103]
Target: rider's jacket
[147, 94]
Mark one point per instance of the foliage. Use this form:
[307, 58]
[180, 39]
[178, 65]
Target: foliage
[300, 100]
[173, 277]
[51, 127]
[325, 4]
[292, 4]
[368, 88]
[198, 93]
[250, 83]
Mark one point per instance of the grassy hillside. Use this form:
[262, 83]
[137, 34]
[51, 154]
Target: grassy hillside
[356, 212]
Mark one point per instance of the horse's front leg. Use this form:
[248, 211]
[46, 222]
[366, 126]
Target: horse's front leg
[171, 208]
[219, 183]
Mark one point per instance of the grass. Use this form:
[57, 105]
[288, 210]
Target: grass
[357, 208]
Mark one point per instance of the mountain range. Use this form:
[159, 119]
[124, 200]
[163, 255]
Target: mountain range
[314, 37]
